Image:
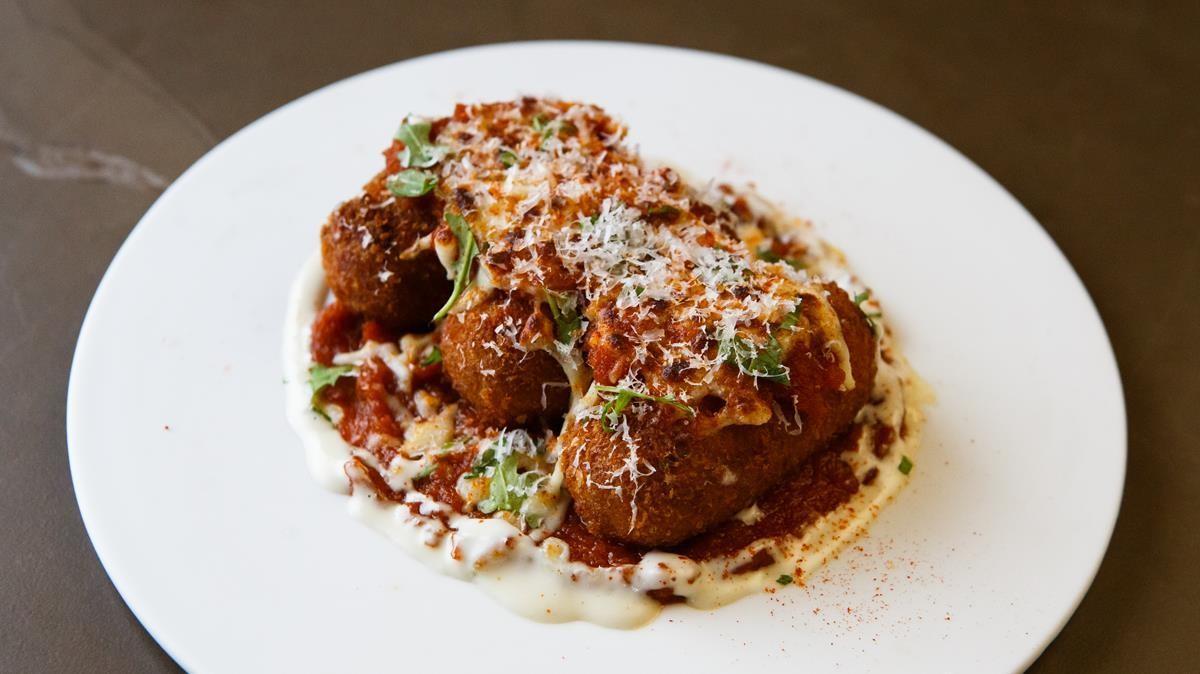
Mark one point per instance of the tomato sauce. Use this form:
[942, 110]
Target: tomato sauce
[816, 488]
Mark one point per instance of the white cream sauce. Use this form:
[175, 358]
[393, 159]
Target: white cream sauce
[539, 581]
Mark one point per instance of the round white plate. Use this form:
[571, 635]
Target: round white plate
[196, 494]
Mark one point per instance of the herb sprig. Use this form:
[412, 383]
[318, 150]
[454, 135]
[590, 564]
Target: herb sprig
[567, 321]
[433, 357]
[418, 151]
[869, 315]
[412, 183]
[767, 255]
[462, 267]
[508, 488]
[550, 129]
[614, 407]
[508, 157]
[764, 361]
[321, 377]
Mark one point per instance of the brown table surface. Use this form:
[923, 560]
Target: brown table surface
[1089, 114]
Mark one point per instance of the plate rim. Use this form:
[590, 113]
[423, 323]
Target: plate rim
[72, 418]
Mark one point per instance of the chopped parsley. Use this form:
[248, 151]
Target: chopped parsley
[566, 315]
[784, 580]
[906, 465]
[321, 377]
[411, 183]
[764, 361]
[433, 358]
[614, 407]
[418, 151]
[509, 158]
[466, 255]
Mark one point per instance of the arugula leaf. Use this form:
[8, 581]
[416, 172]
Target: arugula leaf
[418, 150]
[411, 183]
[508, 488]
[763, 361]
[466, 255]
[566, 316]
[790, 320]
[615, 406]
[322, 376]
[434, 357]
[508, 157]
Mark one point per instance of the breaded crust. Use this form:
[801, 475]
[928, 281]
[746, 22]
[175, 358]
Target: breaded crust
[483, 358]
[690, 482]
[370, 266]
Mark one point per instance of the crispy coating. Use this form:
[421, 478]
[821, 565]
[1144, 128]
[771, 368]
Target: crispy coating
[691, 477]
[493, 355]
[366, 249]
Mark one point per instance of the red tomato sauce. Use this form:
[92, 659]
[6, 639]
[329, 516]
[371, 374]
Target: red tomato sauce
[816, 488]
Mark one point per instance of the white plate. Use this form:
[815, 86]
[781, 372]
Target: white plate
[197, 497]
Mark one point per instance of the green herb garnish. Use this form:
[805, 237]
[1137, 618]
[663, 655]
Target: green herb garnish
[321, 377]
[784, 580]
[425, 472]
[486, 460]
[433, 358]
[763, 361]
[550, 129]
[665, 210]
[509, 488]
[508, 157]
[466, 255]
[566, 316]
[870, 316]
[418, 150]
[616, 405]
[906, 465]
[790, 320]
[768, 255]
[412, 183]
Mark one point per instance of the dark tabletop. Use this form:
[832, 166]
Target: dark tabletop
[1089, 114]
